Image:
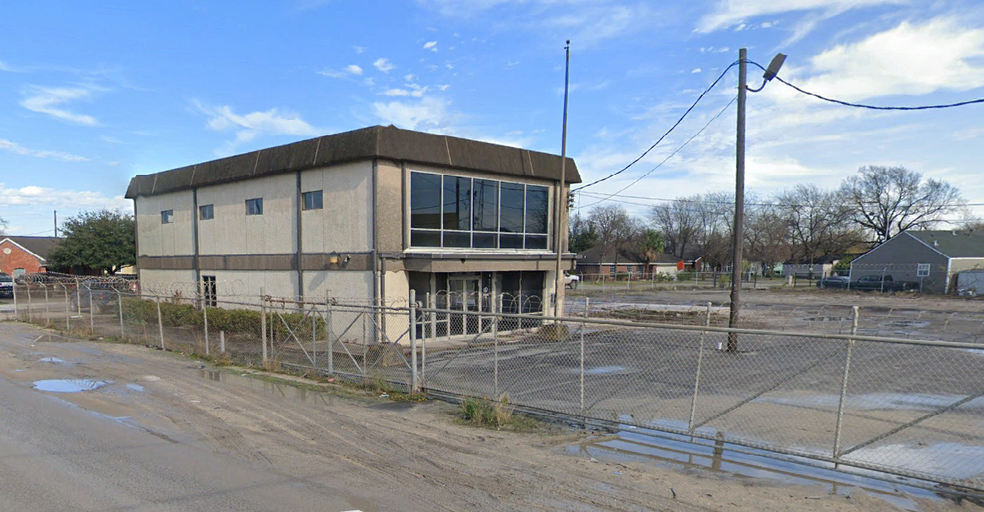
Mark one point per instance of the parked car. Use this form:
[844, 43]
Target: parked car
[883, 283]
[571, 281]
[6, 285]
[834, 282]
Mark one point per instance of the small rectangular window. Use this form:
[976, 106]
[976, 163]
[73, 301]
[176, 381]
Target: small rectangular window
[313, 200]
[167, 216]
[206, 212]
[923, 270]
[254, 206]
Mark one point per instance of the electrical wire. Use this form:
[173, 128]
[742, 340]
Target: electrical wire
[671, 155]
[677, 123]
[862, 105]
[700, 201]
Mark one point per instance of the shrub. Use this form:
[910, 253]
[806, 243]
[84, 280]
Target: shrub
[485, 412]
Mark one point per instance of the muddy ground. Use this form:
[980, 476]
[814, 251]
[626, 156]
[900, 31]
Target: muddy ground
[389, 455]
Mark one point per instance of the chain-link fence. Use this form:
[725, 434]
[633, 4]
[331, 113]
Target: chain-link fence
[911, 407]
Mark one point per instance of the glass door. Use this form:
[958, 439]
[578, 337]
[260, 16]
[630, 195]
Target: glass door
[464, 294]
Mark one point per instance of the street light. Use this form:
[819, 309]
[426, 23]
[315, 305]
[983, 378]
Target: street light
[770, 73]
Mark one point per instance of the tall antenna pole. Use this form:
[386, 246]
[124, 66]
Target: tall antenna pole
[561, 200]
[739, 202]
[56, 223]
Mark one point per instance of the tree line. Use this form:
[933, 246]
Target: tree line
[804, 223]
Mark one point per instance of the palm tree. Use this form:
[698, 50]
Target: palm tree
[653, 244]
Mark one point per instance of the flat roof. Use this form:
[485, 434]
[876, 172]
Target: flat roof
[388, 142]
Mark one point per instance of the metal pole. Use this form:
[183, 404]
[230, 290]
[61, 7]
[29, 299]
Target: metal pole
[263, 322]
[205, 317]
[68, 310]
[700, 361]
[78, 291]
[739, 203]
[119, 302]
[47, 313]
[331, 347]
[17, 316]
[160, 322]
[30, 305]
[561, 200]
[583, 325]
[222, 342]
[92, 311]
[843, 394]
[495, 345]
[413, 341]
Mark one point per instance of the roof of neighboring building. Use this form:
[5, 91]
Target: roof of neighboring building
[595, 255]
[955, 244]
[387, 142]
[39, 245]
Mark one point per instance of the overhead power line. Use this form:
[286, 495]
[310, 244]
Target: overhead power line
[671, 155]
[677, 123]
[871, 107]
[620, 198]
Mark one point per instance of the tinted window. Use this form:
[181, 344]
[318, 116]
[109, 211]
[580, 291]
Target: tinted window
[425, 201]
[254, 206]
[486, 205]
[313, 200]
[457, 203]
[167, 216]
[511, 216]
[206, 212]
[536, 209]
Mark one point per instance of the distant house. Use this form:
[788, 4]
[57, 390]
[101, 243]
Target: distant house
[820, 267]
[21, 255]
[595, 261]
[930, 258]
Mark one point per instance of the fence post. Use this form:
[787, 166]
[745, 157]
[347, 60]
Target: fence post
[160, 322]
[119, 301]
[16, 315]
[700, 361]
[314, 334]
[263, 323]
[92, 312]
[78, 291]
[843, 393]
[496, 310]
[222, 342]
[205, 317]
[413, 341]
[68, 310]
[331, 344]
[447, 332]
[47, 313]
[30, 305]
[583, 325]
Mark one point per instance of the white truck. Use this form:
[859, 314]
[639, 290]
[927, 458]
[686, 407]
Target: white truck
[571, 281]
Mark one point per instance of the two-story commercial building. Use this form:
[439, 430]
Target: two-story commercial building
[361, 216]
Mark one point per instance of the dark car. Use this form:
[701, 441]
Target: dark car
[834, 282]
[6, 286]
[883, 283]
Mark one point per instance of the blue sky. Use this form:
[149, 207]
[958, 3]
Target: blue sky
[94, 93]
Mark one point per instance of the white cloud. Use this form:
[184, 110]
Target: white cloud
[448, 65]
[383, 65]
[5, 67]
[431, 45]
[345, 72]
[729, 13]
[359, 49]
[14, 147]
[50, 100]
[396, 92]
[249, 126]
[410, 78]
[37, 196]
[352, 69]
[695, 70]
[911, 59]
[428, 114]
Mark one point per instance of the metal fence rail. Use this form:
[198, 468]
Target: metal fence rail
[910, 407]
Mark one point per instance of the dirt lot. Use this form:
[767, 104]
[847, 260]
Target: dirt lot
[392, 456]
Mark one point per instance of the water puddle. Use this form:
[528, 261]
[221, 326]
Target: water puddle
[135, 387]
[52, 360]
[299, 394]
[68, 385]
[604, 370]
[642, 445]
[877, 401]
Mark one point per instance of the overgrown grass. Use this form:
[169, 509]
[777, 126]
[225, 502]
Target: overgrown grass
[486, 412]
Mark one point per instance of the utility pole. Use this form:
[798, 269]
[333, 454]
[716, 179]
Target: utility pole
[56, 223]
[561, 200]
[739, 203]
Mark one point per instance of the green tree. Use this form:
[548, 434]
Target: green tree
[652, 245]
[583, 234]
[101, 240]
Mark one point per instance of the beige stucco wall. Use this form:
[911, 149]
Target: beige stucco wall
[166, 282]
[345, 222]
[245, 286]
[234, 232]
[348, 287]
[389, 208]
[157, 239]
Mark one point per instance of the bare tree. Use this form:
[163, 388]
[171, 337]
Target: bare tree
[889, 200]
[614, 227]
[679, 223]
[696, 226]
[3, 226]
[766, 236]
[819, 222]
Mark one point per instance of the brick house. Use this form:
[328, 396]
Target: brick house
[20, 255]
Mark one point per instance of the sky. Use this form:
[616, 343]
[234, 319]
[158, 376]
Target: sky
[93, 93]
